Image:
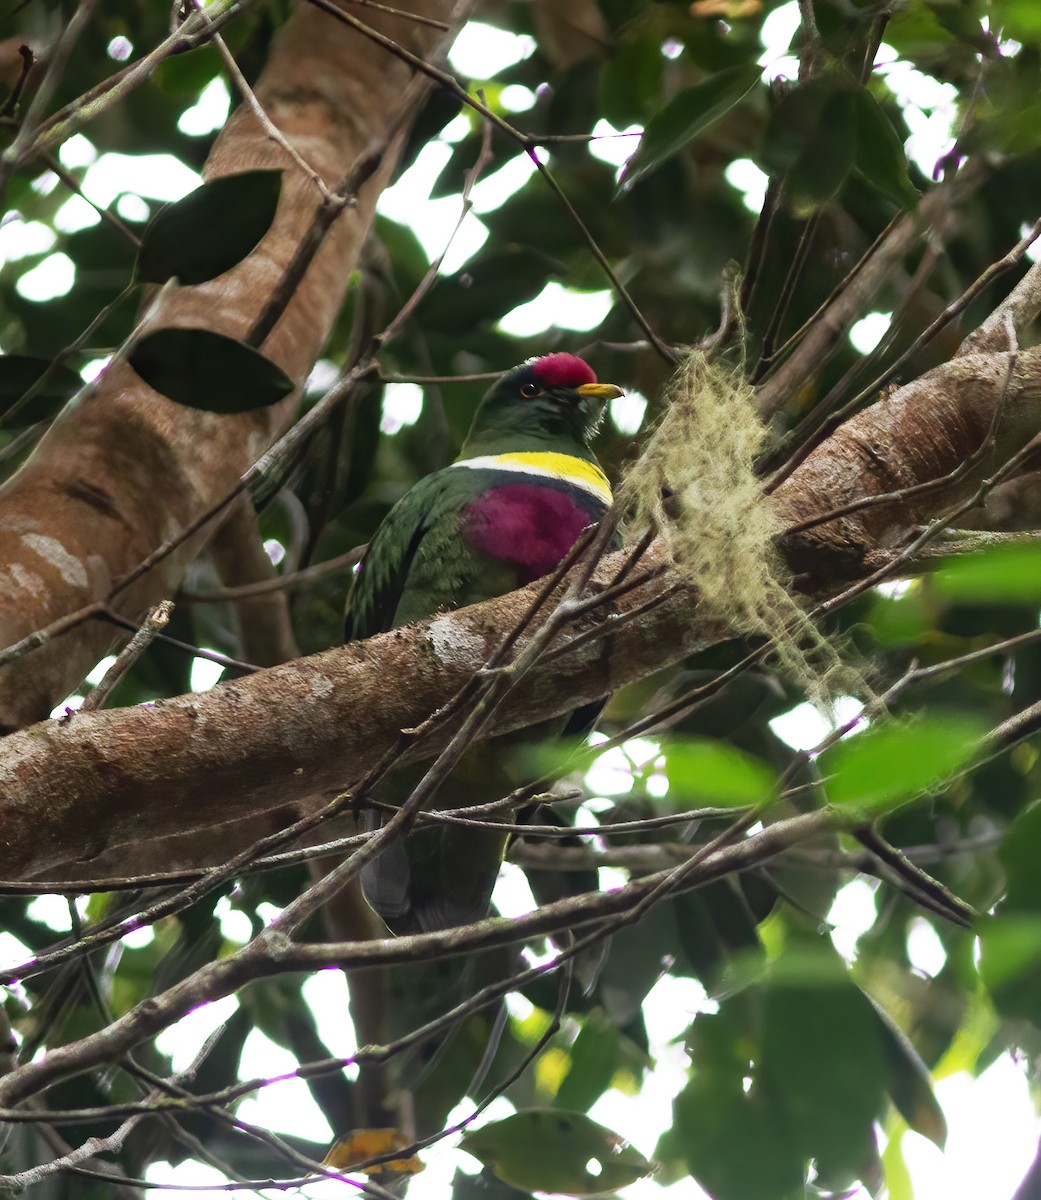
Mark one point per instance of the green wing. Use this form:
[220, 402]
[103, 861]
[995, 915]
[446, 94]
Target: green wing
[383, 572]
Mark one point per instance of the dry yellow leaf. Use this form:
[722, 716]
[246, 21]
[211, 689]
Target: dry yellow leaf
[362, 1144]
[729, 9]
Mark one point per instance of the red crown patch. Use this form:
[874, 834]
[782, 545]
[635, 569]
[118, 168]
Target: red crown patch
[563, 370]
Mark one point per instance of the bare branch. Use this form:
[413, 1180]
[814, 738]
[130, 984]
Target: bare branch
[273, 953]
[153, 624]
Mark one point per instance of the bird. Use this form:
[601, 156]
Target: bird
[524, 486]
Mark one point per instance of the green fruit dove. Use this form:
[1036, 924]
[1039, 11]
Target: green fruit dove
[506, 512]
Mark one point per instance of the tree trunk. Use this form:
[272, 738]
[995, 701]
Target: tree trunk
[127, 469]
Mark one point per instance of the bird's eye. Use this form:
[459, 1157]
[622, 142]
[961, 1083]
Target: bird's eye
[530, 390]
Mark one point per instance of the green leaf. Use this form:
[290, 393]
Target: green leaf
[1019, 19]
[897, 620]
[210, 230]
[636, 957]
[828, 156]
[550, 1150]
[918, 36]
[688, 114]
[908, 1081]
[733, 1148]
[880, 158]
[487, 289]
[630, 79]
[1020, 854]
[793, 123]
[958, 18]
[1010, 964]
[893, 762]
[702, 771]
[183, 76]
[811, 140]
[1000, 575]
[484, 1187]
[1009, 945]
[20, 373]
[205, 370]
[594, 1058]
[822, 1064]
[718, 931]
[717, 1120]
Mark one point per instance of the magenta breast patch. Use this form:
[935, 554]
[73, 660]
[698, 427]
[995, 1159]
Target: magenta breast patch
[530, 526]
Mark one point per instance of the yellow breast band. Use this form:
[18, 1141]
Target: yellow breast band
[546, 465]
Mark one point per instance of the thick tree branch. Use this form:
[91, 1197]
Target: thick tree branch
[922, 433]
[283, 735]
[73, 791]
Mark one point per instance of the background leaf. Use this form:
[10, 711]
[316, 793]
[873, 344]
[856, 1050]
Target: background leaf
[908, 1081]
[550, 1150]
[210, 230]
[880, 157]
[19, 373]
[892, 762]
[687, 115]
[205, 370]
[811, 140]
[997, 575]
[708, 772]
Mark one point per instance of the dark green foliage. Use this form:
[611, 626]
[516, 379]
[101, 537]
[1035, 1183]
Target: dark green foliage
[33, 389]
[908, 1082]
[879, 155]
[594, 1057]
[552, 1151]
[686, 116]
[210, 230]
[206, 370]
[824, 130]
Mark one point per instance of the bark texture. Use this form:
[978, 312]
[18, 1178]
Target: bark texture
[122, 472]
[94, 789]
[924, 432]
[287, 734]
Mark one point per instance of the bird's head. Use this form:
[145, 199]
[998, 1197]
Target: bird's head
[555, 397]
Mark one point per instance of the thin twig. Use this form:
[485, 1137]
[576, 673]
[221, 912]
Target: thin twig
[105, 95]
[945, 902]
[794, 338]
[28, 62]
[400, 12]
[334, 202]
[780, 310]
[265, 467]
[926, 486]
[479, 377]
[225, 660]
[1021, 304]
[53, 163]
[153, 624]
[246, 591]
[273, 953]
[77, 344]
[821, 339]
